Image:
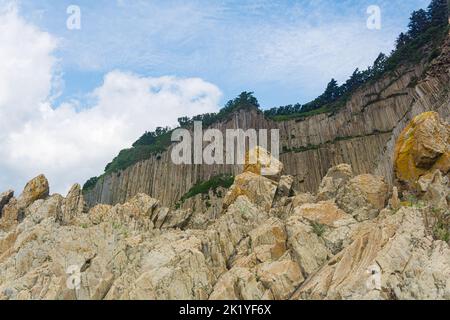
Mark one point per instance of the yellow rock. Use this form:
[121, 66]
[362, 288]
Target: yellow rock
[259, 161]
[423, 146]
[35, 189]
[259, 190]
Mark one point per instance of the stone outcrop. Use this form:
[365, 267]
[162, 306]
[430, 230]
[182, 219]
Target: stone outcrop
[73, 206]
[363, 134]
[364, 195]
[335, 178]
[35, 189]
[260, 246]
[423, 147]
[392, 259]
[265, 237]
[13, 210]
[4, 199]
[258, 189]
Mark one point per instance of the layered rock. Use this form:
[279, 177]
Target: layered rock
[390, 259]
[423, 147]
[266, 247]
[362, 134]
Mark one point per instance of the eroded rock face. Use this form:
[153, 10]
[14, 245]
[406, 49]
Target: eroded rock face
[335, 179]
[423, 147]
[260, 190]
[14, 211]
[393, 259]
[435, 189]
[73, 206]
[259, 161]
[4, 199]
[262, 245]
[363, 196]
[35, 189]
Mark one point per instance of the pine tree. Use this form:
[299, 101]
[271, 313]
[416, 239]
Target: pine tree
[401, 41]
[331, 92]
[438, 12]
[379, 64]
[418, 23]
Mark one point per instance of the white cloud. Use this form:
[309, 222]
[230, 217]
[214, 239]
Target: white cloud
[69, 144]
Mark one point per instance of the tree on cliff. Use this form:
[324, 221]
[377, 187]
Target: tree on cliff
[438, 12]
[332, 91]
[419, 22]
[402, 40]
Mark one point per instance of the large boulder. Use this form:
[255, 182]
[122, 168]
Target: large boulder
[14, 210]
[73, 206]
[259, 161]
[335, 178]
[422, 147]
[363, 196]
[434, 188]
[35, 189]
[258, 189]
[389, 259]
[332, 225]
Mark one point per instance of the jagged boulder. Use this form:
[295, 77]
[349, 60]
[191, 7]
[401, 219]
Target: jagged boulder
[10, 214]
[14, 210]
[266, 242]
[434, 188]
[73, 205]
[389, 259]
[258, 189]
[98, 213]
[285, 186]
[259, 161]
[41, 209]
[363, 196]
[4, 199]
[422, 147]
[35, 189]
[335, 178]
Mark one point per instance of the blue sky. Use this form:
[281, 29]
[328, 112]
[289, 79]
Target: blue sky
[284, 51]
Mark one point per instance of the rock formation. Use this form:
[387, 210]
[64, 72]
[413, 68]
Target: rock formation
[362, 134]
[354, 239]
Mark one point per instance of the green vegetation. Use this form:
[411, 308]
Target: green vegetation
[441, 229]
[412, 201]
[318, 228]
[150, 143]
[245, 100]
[426, 31]
[337, 139]
[158, 141]
[204, 187]
[90, 184]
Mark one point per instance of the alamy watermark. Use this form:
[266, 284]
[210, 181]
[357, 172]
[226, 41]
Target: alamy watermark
[232, 149]
[374, 280]
[73, 22]
[374, 19]
[74, 279]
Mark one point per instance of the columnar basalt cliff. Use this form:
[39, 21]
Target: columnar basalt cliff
[362, 134]
[355, 238]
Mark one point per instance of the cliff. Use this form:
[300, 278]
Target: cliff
[362, 134]
[356, 238]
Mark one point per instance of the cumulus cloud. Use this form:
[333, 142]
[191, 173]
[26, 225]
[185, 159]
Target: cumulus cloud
[70, 143]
